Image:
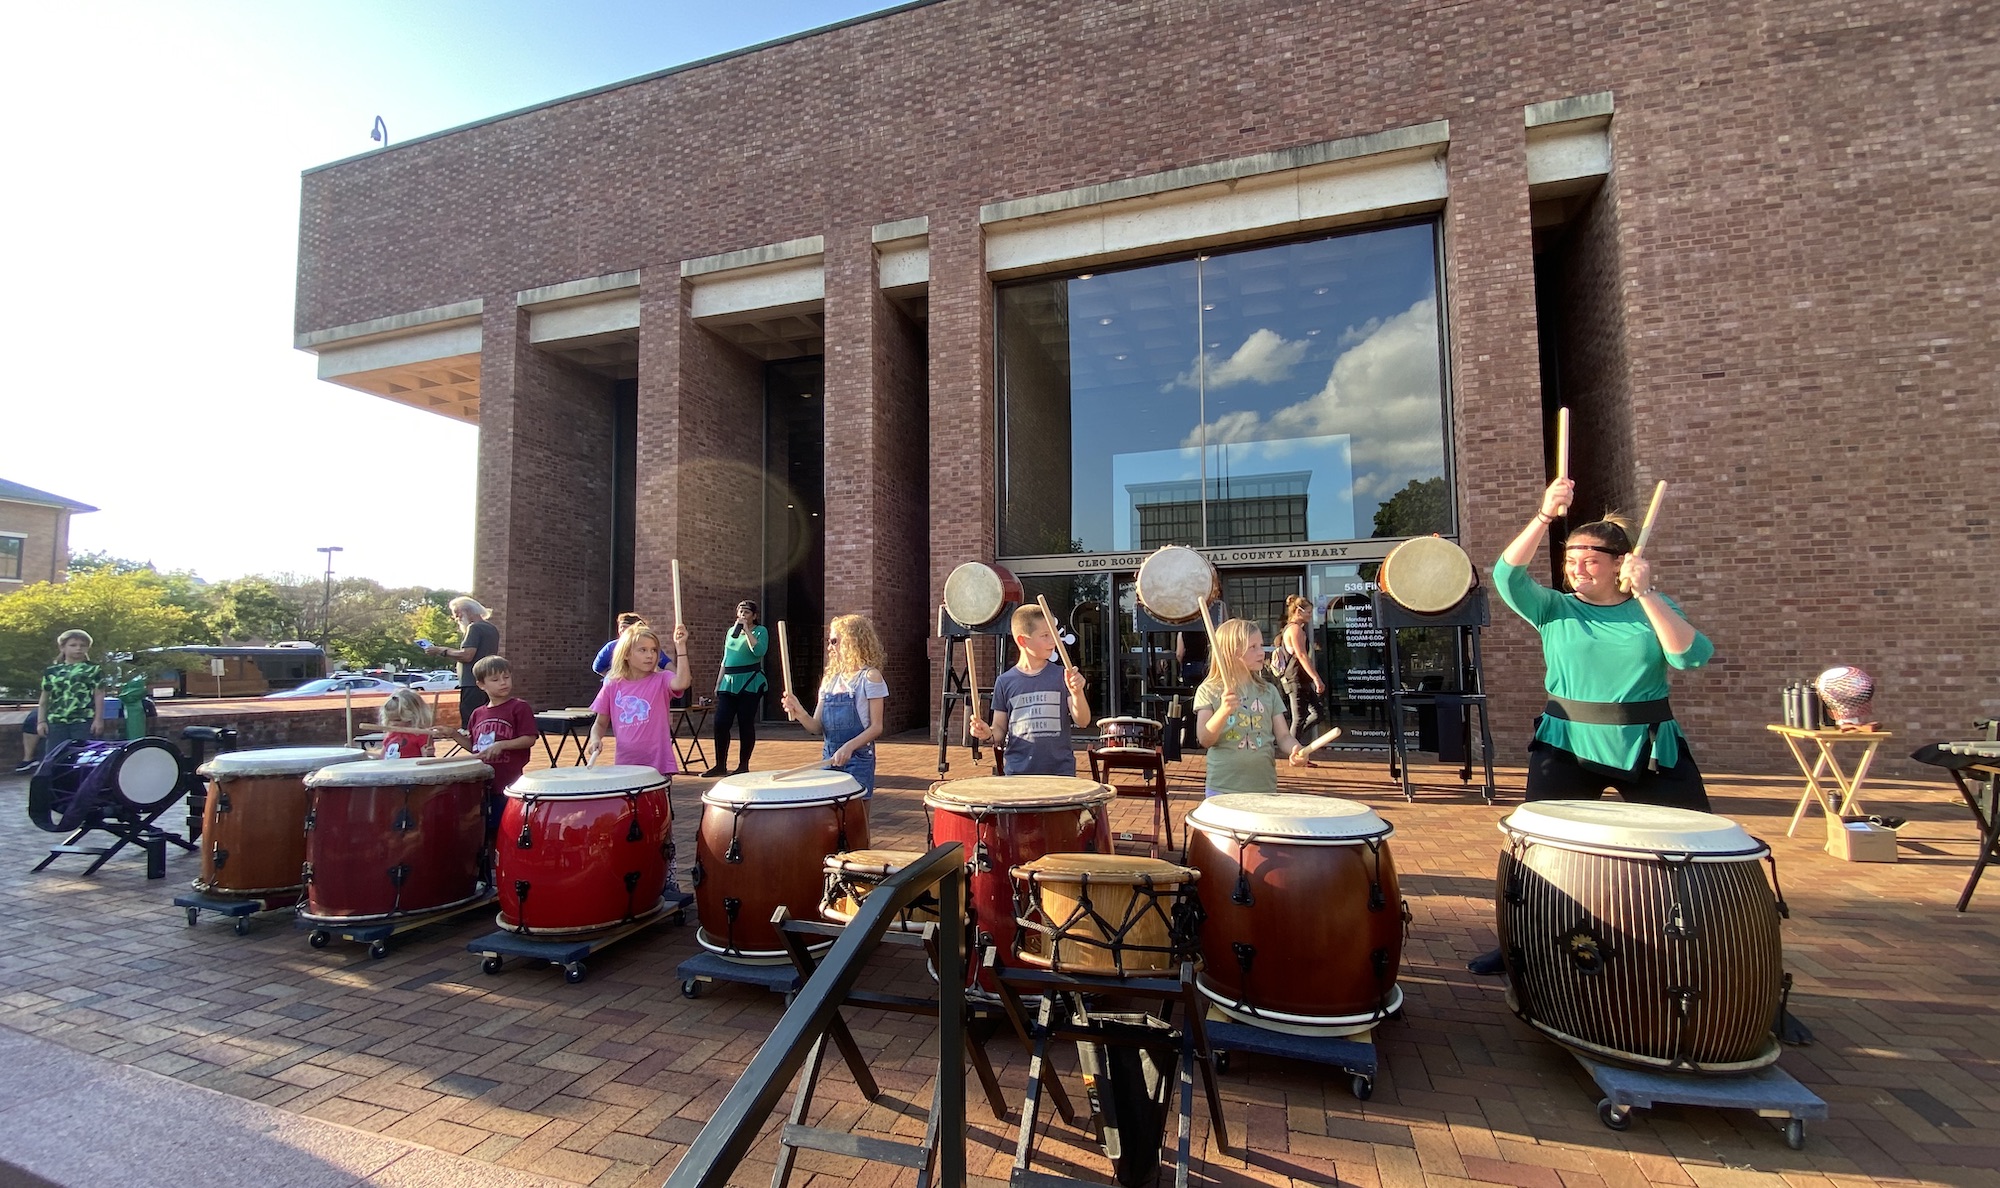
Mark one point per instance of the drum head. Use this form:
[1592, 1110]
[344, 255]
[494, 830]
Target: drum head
[1108, 868]
[760, 789]
[976, 593]
[394, 773]
[1018, 794]
[1615, 827]
[1427, 574]
[1174, 581]
[148, 772]
[277, 761]
[586, 782]
[1154, 723]
[881, 863]
[1309, 820]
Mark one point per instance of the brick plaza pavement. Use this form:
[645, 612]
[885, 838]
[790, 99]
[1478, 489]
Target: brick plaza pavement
[607, 1081]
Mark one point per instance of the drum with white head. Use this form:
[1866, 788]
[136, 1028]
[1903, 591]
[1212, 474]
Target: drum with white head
[763, 844]
[389, 838]
[253, 840]
[977, 594]
[1175, 581]
[1427, 574]
[583, 848]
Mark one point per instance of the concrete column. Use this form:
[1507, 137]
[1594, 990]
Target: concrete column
[542, 554]
[877, 511]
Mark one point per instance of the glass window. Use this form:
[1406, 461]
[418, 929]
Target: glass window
[1267, 396]
[10, 557]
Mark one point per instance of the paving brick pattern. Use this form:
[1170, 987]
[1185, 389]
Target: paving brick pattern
[606, 1082]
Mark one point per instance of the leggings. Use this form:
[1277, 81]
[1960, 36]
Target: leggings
[743, 709]
[1555, 774]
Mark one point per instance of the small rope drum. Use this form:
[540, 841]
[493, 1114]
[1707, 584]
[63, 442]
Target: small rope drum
[1105, 914]
[977, 594]
[1427, 574]
[1129, 734]
[852, 876]
[1174, 582]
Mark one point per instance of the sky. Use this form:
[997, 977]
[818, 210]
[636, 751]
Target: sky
[151, 242]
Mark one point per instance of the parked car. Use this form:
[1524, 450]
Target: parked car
[443, 680]
[366, 686]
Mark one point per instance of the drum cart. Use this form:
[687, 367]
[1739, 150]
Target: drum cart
[1353, 1056]
[1128, 1061]
[569, 951]
[234, 908]
[376, 933]
[1770, 1091]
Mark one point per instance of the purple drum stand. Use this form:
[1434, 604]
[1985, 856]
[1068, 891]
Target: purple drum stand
[95, 806]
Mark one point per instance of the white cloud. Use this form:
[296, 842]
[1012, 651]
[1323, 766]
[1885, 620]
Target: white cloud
[1265, 357]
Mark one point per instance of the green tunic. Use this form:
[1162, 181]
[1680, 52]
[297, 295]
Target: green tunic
[745, 648]
[1600, 653]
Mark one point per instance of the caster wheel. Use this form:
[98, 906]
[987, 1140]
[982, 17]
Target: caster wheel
[379, 950]
[490, 965]
[193, 915]
[574, 973]
[1222, 1062]
[1364, 1087]
[1795, 1133]
[1615, 1117]
[242, 926]
[680, 918]
[691, 988]
[318, 939]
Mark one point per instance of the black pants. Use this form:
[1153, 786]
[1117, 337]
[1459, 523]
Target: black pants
[1302, 701]
[1555, 774]
[742, 709]
[470, 697]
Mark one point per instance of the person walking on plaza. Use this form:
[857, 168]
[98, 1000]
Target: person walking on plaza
[1292, 660]
[740, 689]
[482, 639]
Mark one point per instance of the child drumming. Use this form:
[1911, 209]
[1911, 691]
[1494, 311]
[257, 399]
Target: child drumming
[851, 699]
[502, 731]
[1240, 718]
[406, 723]
[638, 693]
[72, 702]
[1035, 703]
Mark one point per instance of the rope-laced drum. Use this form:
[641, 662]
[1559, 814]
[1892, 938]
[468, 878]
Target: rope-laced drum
[1305, 921]
[1641, 933]
[853, 876]
[1175, 581]
[387, 838]
[762, 845]
[977, 594]
[1427, 574]
[583, 848]
[1105, 914]
[253, 835]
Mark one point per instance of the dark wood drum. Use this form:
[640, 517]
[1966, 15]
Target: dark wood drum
[1009, 821]
[1129, 734]
[1174, 582]
[977, 594]
[388, 838]
[1305, 922]
[1641, 934]
[253, 828]
[763, 844]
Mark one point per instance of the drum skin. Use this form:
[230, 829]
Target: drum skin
[1594, 962]
[779, 852]
[1323, 922]
[1427, 574]
[1110, 915]
[1009, 821]
[253, 826]
[568, 864]
[977, 594]
[1130, 734]
[1173, 582]
[358, 839]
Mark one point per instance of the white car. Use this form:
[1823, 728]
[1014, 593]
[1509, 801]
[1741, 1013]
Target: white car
[442, 681]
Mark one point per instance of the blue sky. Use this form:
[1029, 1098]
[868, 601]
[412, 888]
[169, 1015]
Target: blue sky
[151, 239]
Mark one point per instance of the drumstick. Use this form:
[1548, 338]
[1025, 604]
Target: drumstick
[677, 592]
[1209, 623]
[1049, 618]
[802, 768]
[785, 655]
[1321, 741]
[1562, 442]
[1652, 514]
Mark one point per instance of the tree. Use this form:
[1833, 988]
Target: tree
[255, 608]
[123, 612]
[1417, 510]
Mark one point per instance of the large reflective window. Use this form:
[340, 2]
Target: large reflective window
[1266, 396]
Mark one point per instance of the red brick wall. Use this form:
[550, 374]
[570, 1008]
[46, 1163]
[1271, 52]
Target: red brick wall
[1803, 239]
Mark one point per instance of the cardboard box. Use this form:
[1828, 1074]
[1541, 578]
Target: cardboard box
[1860, 841]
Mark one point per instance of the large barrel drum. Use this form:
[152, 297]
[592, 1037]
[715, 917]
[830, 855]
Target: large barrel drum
[1642, 934]
[763, 844]
[582, 848]
[389, 838]
[253, 828]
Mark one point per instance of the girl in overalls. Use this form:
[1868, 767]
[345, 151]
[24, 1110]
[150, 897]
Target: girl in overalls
[851, 699]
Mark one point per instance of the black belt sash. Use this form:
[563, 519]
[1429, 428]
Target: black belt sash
[733, 669]
[1617, 713]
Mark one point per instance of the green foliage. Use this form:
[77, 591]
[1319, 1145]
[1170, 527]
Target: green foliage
[1417, 510]
[123, 612]
[256, 608]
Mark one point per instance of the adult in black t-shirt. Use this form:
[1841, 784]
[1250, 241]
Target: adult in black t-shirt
[482, 639]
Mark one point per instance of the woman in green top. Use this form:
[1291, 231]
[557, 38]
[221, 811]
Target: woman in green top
[739, 690]
[1608, 646]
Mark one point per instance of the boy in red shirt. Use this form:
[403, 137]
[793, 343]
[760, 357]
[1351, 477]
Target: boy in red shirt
[502, 731]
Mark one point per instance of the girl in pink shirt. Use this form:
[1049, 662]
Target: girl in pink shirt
[637, 698]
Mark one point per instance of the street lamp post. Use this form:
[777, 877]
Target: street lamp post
[326, 601]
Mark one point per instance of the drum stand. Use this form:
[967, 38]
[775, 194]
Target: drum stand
[1124, 1076]
[568, 951]
[376, 933]
[132, 826]
[956, 685]
[1153, 701]
[1469, 700]
[1770, 1091]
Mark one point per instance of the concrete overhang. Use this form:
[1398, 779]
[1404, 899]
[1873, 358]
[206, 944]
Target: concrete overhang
[769, 300]
[903, 263]
[592, 322]
[1569, 145]
[427, 359]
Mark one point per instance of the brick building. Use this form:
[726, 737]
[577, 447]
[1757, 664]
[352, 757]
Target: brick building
[1289, 281]
[34, 535]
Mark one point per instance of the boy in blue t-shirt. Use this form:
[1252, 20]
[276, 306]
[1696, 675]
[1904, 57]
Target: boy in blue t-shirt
[1035, 703]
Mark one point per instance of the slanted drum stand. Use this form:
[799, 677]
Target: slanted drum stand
[1469, 699]
[957, 685]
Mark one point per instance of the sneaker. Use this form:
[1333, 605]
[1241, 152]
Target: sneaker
[1488, 964]
[715, 772]
[26, 765]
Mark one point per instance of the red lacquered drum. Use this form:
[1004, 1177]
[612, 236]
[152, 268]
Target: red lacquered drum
[582, 848]
[977, 594]
[1639, 933]
[1009, 821]
[1105, 914]
[763, 844]
[393, 837]
[253, 828]
[1304, 928]
[850, 877]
